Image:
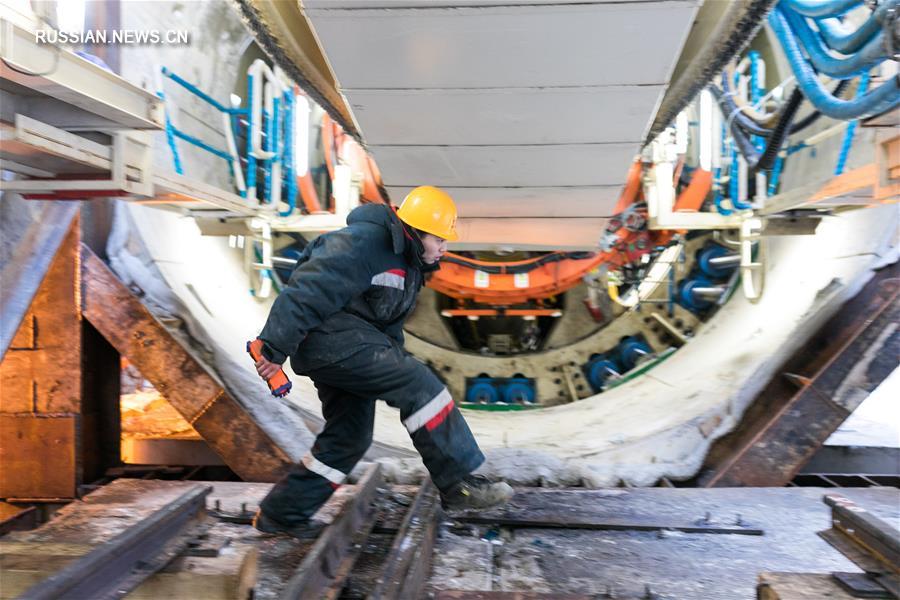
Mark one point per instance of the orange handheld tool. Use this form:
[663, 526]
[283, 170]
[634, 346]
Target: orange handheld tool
[278, 383]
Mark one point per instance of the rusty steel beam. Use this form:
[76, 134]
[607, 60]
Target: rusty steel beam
[119, 565]
[192, 390]
[324, 568]
[409, 560]
[874, 537]
[781, 439]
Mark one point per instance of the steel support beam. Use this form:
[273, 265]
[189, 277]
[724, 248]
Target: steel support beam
[192, 390]
[408, 562]
[784, 434]
[109, 570]
[323, 566]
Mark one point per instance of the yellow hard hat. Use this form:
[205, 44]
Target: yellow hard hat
[431, 210]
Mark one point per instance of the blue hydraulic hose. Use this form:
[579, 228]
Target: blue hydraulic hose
[821, 8]
[846, 40]
[196, 91]
[251, 159]
[840, 68]
[717, 199]
[851, 128]
[170, 136]
[755, 93]
[288, 155]
[268, 138]
[201, 144]
[879, 100]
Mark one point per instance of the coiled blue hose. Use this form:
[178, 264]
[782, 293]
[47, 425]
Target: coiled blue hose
[883, 98]
[846, 40]
[821, 8]
[840, 68]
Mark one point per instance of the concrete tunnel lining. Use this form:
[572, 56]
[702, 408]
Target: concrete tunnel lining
[660, 424]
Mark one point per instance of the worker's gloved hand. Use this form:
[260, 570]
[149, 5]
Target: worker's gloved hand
[266, 368]
[270, 371]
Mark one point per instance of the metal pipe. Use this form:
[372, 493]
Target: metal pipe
[732, 260]
[280, 261]
[712, 293]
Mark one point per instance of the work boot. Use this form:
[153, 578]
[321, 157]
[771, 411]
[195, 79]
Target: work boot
[307, 530]
[475, 492]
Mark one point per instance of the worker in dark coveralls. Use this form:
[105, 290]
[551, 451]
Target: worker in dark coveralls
[340, 321]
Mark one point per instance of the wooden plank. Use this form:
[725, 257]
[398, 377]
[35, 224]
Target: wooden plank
[14, 518]
[27, 268]
[229, 576]
[400, 577]
[799, 586]
[18, 392]
[25, 336]
[321, 567]
[850, 182]
[182, 379]
[38, 456]
[47, 377]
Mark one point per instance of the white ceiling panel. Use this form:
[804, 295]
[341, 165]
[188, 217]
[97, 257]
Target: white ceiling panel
[504, 166]
[446, 3]
[513, 46]
[529, 112]
[504, 116]
[598, 201]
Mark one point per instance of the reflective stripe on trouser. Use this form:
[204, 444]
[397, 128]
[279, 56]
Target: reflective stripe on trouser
[348, 390]
[340, 445]
[437, 428]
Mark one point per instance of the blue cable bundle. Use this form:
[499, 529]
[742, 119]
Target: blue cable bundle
[882, 99]
[845, 40]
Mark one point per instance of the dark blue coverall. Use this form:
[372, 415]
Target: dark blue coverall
[340, 320]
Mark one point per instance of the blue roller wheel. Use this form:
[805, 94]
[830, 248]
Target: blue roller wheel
[518, 391]
[630, 352]
[482, 391]
[599, 370]
[688, 299]
[710, 252]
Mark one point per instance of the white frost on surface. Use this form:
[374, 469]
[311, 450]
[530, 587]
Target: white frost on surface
[875, 422]
[658, 425]
[164, 257]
